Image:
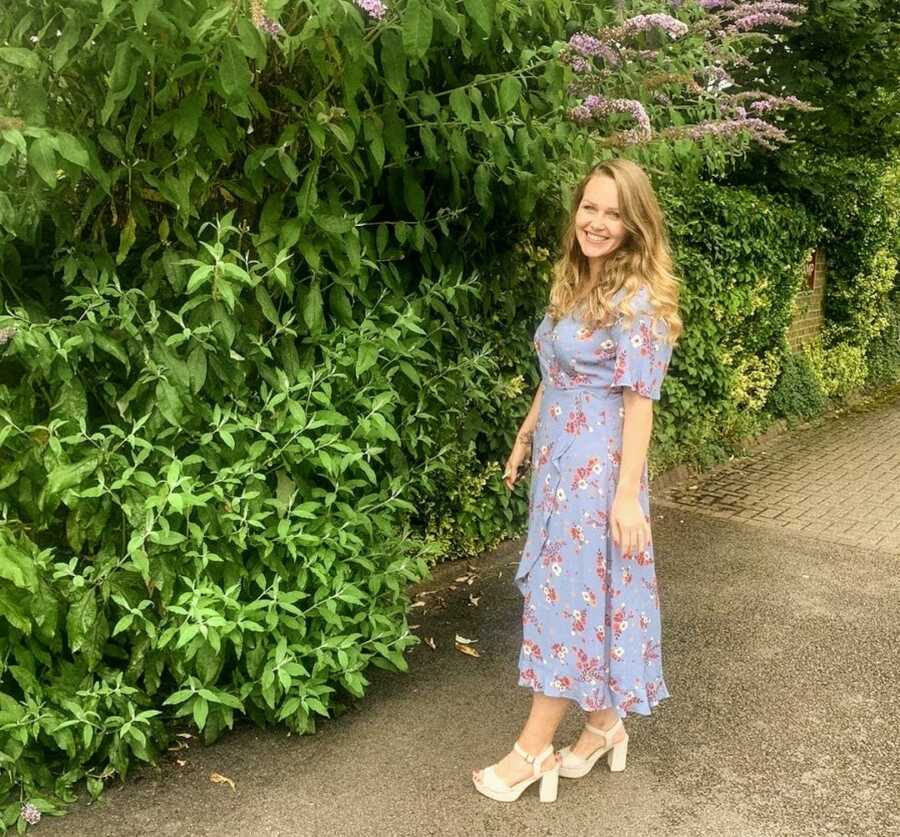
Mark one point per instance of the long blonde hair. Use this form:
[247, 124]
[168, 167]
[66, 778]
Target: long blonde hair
[644, 257]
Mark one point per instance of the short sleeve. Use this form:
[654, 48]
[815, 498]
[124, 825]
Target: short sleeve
[642, 352]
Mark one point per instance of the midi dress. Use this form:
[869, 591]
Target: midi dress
[591, 615]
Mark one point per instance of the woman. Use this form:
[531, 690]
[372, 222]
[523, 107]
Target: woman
[591, 620]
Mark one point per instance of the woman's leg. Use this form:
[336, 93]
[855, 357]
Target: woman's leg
[543, 720]
[602, 719]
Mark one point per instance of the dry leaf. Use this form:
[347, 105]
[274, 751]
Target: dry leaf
[412, 627]
[472, 580]
[417, 604]
[219, 779]
[184, 735]
[180, 762]
[473, 600]
[464, 641]
[462, 578]
[467, 650]
[430, 641]
[452, 587]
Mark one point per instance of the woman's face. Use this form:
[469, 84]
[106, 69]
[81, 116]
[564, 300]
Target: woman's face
[598, 222]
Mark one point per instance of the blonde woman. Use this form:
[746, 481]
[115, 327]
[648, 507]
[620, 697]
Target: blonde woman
[591, 620]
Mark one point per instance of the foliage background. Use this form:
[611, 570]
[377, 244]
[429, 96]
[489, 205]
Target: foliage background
[268, 308]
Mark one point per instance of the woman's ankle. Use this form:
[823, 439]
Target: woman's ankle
[603, 718]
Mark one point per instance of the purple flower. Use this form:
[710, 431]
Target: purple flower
[760, 131]
[588, 46]
[709, 5]
[374, 8]
[597, 107]
[30, 814]
[642, 23]
[755, 21]
[7, 334]
[765, 7]
[262, 21]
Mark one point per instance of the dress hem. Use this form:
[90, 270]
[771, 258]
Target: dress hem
[622, 713]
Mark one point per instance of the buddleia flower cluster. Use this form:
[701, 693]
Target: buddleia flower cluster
[373, 8]
[30, 814]
[262, 21]
[597, 58]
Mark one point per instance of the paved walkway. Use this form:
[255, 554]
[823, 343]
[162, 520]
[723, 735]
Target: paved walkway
[780, 654]
[838, 480]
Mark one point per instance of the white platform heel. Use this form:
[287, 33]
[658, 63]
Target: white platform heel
[491, 785]
[575, 767]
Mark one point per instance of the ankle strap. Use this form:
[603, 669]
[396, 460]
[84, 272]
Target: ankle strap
[534, 761]
[606, 733]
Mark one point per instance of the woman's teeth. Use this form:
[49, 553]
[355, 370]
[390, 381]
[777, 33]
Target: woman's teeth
[598, 238]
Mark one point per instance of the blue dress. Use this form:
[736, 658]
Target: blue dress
[591, 616]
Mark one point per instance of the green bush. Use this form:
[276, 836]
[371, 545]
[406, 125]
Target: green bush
[797, 393]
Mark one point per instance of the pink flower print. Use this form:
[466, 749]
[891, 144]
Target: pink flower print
[644, 621]
[630, 699]
[559, 651]
[597, 520]
[615, 457]
[578, 621]
[619, 623]
[555, 373]
[589, 596]
[577, 421]
[617, 653]
[549, 593]
[584, 333]
[561, 683]
[650, 651]
[626, 575]
[614, 685]
[576, 533]
[651, 693]
[555, 410]
[600, 633]
[644, 558]
[543, 456]
[589, 668]
[531, 678]
[532, 649]
[606, 350]
[551, 554]
[595, 465]
[601, 565]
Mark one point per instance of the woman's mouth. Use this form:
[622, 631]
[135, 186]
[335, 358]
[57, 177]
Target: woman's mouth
[596, 239]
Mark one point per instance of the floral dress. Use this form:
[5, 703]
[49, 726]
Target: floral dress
[591, 617]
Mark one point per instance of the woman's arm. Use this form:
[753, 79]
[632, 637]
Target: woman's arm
[636, 432]
[526, 431]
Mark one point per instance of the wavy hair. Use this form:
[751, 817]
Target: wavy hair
[643, 259]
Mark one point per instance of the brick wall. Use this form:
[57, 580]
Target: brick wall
[807, 320]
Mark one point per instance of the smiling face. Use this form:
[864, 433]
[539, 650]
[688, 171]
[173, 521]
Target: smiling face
[598, 221]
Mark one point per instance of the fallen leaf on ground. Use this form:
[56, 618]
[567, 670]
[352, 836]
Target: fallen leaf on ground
[180, 762]
[219, 779]
[417, 604]
[467, 649]
[430, 641]
[412, 627]
[184, 735]
[473, 600]
[464, 641]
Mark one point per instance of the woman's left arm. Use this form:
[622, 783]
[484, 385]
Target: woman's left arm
[630, 528]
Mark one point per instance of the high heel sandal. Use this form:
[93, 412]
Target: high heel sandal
[574, 767]
[491, 785]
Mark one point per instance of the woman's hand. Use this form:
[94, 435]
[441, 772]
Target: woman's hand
[630, 529]
[520, 452]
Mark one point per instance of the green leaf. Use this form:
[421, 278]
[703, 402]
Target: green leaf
[71, 149]
[461, 106]
[234, 72]
[417, 28]
[308, 197]
[366, 357]
[19, 57]
[483, 186]
[71, 475]
[313, 309]
[393, 62]
[197, 368]
[80, 619]
[141, 9]
[479, 12]
[413, 194]
[43, 159]
[201, 711]
[510, 92]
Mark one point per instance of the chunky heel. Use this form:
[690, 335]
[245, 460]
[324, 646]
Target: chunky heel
[575, 767]
[549, 785]
[616, 757]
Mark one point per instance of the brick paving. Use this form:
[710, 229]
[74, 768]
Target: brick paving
[837, 480]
